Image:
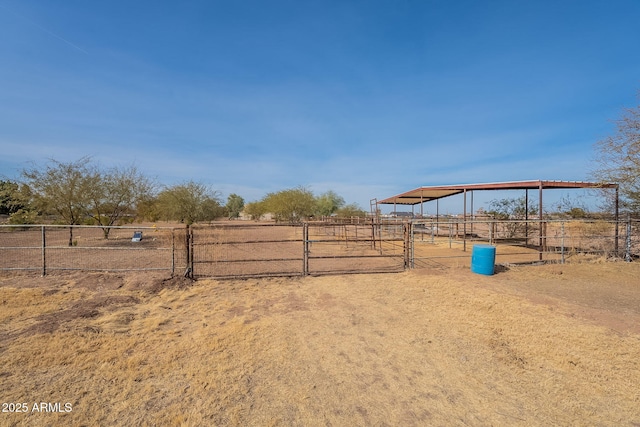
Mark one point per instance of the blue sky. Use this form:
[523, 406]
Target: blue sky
[366, 98]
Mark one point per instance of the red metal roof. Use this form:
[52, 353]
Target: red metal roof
[425, 194]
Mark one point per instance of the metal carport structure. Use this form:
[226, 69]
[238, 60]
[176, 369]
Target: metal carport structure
[422, 195]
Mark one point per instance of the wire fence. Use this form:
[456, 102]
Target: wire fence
[47, 248]
[243, 249]
[446, 242]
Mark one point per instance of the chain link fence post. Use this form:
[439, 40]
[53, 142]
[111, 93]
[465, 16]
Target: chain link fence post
[44, 252]
[173, 252]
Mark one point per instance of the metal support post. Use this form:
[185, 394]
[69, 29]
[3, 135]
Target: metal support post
[406, 229]
[44, 252]
[305, 249]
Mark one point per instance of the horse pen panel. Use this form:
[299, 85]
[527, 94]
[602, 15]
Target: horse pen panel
[230, 250]
[353, 248]
[240, 250]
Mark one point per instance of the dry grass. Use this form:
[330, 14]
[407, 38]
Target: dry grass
[419, 348]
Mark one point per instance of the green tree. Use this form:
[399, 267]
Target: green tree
[351, 210]
[618, 159]
[11, 199]
[255, 210]
[23, 216]
[16, 201]
[292, 205]
[63, 189]
[189, 202]
[149, 209]
[234, 206]
[328, 203]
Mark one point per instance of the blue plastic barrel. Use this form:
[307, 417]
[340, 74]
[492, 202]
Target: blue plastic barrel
[483, 259]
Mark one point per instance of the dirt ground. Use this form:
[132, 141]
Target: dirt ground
[536, 345]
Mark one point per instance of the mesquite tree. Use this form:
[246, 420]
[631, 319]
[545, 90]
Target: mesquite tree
[63, 189]
[116, 195]
[189, 202]
[80, 191]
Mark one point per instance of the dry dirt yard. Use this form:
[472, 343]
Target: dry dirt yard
[538, 345]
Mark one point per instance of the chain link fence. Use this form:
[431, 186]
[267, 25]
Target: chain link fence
[47, 248]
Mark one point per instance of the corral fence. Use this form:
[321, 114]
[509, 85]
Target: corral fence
[220, 250]
[237, 249]
[251, 250]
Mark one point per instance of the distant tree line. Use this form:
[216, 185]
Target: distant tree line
[82, 192]
[299, 204]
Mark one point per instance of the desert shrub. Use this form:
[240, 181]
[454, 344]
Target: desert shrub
[511, 209]
[351, 210]
[23, 216]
